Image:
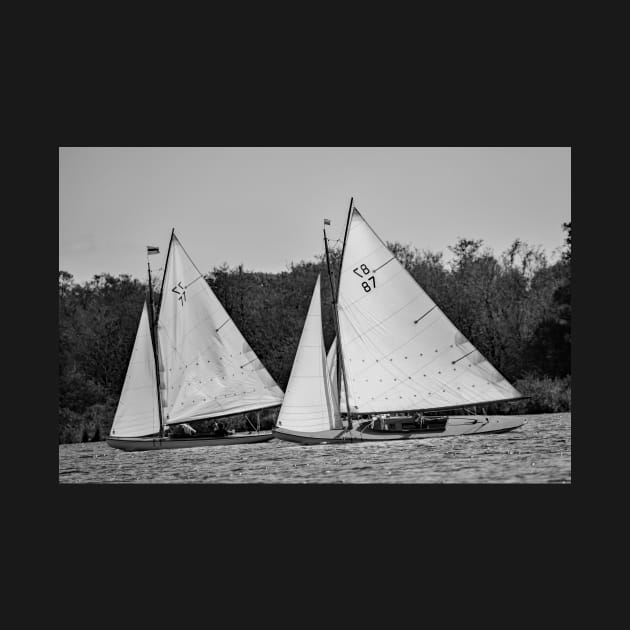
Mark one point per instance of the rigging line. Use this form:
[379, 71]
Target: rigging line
[419, 318]
[244, 364]
[460, 358]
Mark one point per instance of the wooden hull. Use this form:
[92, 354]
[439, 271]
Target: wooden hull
[157, 443]
[456, 425]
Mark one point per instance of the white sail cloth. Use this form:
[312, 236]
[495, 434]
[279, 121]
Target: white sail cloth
[331, 368]
[207, 368]
[400, 350]
[309, 404]
[137, 413]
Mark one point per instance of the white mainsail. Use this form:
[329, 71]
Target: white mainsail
[400, 351]
[207, 368]
[309, 404]
[137, 413]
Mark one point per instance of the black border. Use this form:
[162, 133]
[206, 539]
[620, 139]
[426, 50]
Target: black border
[478, 525]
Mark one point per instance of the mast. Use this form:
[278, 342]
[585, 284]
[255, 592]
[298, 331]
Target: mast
[341, 371]
[153, 328]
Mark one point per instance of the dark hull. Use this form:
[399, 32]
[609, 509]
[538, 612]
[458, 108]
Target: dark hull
[157, 443]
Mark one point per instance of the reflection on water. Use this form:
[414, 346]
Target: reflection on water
[538, 452]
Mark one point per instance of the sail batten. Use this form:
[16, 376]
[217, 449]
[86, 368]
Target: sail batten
[210, 369]
[401, 351]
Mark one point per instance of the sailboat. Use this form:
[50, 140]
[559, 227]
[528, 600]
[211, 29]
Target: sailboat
[189, 363]
[397, 363]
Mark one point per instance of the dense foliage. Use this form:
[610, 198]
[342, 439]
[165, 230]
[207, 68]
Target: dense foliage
[515, 308]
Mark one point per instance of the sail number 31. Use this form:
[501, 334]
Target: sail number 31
[365, 284]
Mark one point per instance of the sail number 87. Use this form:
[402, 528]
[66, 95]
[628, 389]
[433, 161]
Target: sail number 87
[365, 284]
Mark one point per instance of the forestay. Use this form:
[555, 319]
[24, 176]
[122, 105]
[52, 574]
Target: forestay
[137, 413]
[207, 368]
[400, 350]
[309, 404]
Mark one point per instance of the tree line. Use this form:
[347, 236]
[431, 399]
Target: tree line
[515, 308]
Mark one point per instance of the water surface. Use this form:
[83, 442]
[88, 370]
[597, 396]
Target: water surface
[538, 452]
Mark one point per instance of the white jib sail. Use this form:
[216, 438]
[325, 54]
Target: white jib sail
[331, 368]
[309, 404]
[207, 367]
[401, 352]
[137, 413]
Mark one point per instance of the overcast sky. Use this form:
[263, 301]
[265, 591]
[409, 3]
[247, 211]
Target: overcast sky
[264, 207]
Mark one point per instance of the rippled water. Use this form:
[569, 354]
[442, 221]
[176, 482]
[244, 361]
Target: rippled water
[538, 452]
